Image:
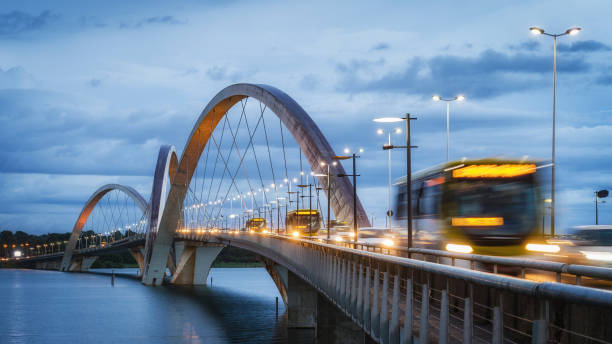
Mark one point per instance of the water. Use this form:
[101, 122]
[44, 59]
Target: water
[52, 307]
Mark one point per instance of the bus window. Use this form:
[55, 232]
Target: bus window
[429, 203]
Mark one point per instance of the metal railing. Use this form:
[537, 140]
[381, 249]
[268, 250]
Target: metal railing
[396, 299]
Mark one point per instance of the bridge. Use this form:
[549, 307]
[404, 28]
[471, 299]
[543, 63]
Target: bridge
[334, 291]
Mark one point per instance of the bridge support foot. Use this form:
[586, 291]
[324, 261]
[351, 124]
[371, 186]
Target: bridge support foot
[194, 262]
[312, 318]
[48, 265]
[138, 255]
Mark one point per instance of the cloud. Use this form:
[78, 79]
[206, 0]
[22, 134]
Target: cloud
[17, 22]
[604, 80]
[15, 78]
[489, 74]
[530, 45]
[218, 73]
[95, 82]
[381, 46]
[157, 20]
[583, 46]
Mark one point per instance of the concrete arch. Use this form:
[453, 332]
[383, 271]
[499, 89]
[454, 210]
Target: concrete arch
[298, 122]
[84, 215]
[165, 169]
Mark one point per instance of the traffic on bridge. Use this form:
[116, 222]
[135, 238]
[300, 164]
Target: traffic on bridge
[466, 250]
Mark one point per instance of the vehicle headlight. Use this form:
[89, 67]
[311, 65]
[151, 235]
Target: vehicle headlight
[459, 248]
[295, 234]
[338, 238]
[388, 242]
[545, 248]
[597, 255]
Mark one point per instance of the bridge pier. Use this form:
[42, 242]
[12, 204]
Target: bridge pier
[138, 255]
[312, 318]
[48, 265]
[82, 264]
[194, 262]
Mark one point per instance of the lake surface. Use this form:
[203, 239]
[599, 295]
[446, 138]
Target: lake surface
[52, 307]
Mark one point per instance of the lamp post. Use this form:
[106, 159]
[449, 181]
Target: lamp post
[328, 195]
[389, 211]
[537, 31]
[437, 98]
[599, 194]
[353, 156]
[408, 148]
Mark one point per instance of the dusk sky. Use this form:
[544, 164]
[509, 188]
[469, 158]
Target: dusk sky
[90, 90]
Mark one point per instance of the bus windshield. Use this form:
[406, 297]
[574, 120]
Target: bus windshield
[512, 200]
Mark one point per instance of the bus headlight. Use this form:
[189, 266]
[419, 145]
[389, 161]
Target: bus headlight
[597, 255]
[338, 238]
[544, 248]
[459, 248]
[295, 234]
[388, 242]
[265, 231]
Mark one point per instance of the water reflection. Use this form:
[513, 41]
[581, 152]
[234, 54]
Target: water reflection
[51, 307]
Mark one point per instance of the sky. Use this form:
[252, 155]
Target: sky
[90, 90]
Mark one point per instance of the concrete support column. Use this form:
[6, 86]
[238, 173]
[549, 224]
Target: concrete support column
[301, 310]
[194, 264]
[137, 254]
[312, 318]
[82, 264]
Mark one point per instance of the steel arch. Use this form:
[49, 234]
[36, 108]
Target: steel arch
[298, 122]
[84, 215]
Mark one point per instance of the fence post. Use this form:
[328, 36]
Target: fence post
[354, 291]
[359, 314]
[375, 325]
[444, 316]
[408, 317]
[424, 329]
[468, 317]
[395, 309]
[384, 311]
[366, 301]
[539, 331]
[498, 320]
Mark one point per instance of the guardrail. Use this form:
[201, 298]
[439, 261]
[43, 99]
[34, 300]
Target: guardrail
[494, 262]
[395, 299]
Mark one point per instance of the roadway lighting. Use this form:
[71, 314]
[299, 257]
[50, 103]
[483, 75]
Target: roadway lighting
[538, 31]
[408, 148]
[437, 98]
[389, 211]
[354, 175]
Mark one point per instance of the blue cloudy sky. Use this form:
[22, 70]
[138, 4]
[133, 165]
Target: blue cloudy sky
[89, 90]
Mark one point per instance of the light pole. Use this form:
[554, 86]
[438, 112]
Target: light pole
[389, 211]
[437, 98]
[599, 194]
[537, 31]
[353, 156]
[328, 195]
[408, 148]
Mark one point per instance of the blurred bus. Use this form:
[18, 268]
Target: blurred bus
[256, 224]
[488, 206]
[303, 222]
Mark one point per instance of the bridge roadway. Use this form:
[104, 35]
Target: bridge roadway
[388, 299]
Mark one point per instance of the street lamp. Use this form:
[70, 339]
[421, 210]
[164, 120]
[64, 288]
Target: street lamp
[328, 195]
[458, 98]
[408, 148]
[537, 31]
[354, 156]
[389, 211]
[599, 194]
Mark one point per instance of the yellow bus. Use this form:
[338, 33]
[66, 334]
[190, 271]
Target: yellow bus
[303, 222]
[488, 206]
